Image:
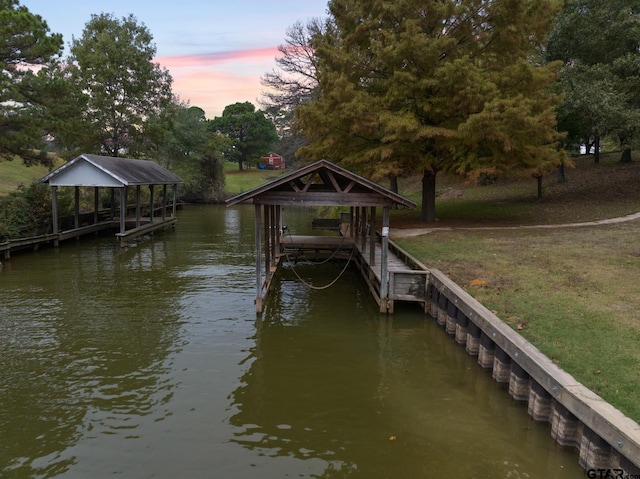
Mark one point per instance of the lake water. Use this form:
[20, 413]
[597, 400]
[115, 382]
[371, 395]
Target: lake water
[150, 362]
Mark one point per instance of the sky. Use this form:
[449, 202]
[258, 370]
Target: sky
[215, 50]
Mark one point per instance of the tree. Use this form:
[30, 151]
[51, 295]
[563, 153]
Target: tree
[293, 83]
[182, 142]
[452, 85]
[252, 134]
[25, 46]
[599, 44]
[112, 67]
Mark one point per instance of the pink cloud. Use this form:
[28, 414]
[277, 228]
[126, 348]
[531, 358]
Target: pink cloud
[212, 81]
[218, 57]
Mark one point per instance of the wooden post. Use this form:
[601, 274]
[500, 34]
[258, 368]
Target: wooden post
[175, 200]
[258, 233]
[76, 207]
[137, 206]
[384, 248]
[273, 236]
[54, 212]
[113, 203]
[372, 237]
[363, 237]
[151, 205]
[357, 223]
[279, 231]
[96, 204]
[123, 209]
[164, 202]
[267, 240]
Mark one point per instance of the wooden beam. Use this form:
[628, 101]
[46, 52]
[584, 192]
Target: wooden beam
[164, 202]
[76, 206]
[384, 253]
[372, 236]
[123, 209]
[258, 240]
[151, 201]
[54, 208]
[310, 181]
[267, 240]
[138, 206]
[321, 198]
[96, 203]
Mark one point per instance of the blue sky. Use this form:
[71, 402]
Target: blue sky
[216, 51]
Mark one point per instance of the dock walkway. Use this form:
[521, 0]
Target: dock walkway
[407, 278]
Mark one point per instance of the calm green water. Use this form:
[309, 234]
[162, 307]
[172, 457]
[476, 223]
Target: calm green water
[150, 363]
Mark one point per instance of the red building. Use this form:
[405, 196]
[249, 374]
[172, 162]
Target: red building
[271, 161]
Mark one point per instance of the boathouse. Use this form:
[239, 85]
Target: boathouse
[117, 174]
[326, 184]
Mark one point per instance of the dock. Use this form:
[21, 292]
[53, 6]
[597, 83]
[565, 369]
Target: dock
[407, 278]
[34, 242]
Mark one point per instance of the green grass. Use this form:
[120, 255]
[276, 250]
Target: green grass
[14, 173]
[237, 182]
[572, 292]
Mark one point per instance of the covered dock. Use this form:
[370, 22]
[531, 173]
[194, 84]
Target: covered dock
[326, 184]
[118, 175]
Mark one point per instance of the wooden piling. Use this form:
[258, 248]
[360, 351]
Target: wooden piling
[501, 366]
[519, 383]
[473, 339]
[539, 407]
[595, 452]
[566, 429]
[486, 351]
[462, 327]
[450, 322]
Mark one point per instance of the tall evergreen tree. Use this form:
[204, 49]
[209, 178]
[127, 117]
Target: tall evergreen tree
[420, 87]
[25, 41]
[251, 133]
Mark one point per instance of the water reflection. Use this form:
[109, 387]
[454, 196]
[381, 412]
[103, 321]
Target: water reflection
[149, 362]
[84, 338]
[369, 396]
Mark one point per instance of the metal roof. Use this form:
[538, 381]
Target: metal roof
[96, 170]
[322, 184]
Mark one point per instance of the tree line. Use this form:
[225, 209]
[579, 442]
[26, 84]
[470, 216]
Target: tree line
[476, 88]
[109, 97]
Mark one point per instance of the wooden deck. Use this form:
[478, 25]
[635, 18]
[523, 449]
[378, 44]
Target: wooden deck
[34, 242]
[145, 228]
[407, 278]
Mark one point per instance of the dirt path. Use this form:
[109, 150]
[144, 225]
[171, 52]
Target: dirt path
[411, 232]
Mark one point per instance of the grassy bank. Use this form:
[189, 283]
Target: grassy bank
[572, 291]
[237, 182]
[14, 173]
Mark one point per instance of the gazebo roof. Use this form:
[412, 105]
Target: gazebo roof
[322, 184]
[106, 171]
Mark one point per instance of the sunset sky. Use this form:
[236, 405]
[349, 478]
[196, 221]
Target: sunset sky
[216, 51]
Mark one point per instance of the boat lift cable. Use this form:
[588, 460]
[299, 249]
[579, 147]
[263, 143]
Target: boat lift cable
[328, 285]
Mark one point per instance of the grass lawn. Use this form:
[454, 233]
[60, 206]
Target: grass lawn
[14, 173]
[574, 292]
[237, 182]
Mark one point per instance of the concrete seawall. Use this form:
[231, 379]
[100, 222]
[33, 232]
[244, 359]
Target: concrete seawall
[605, 438]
